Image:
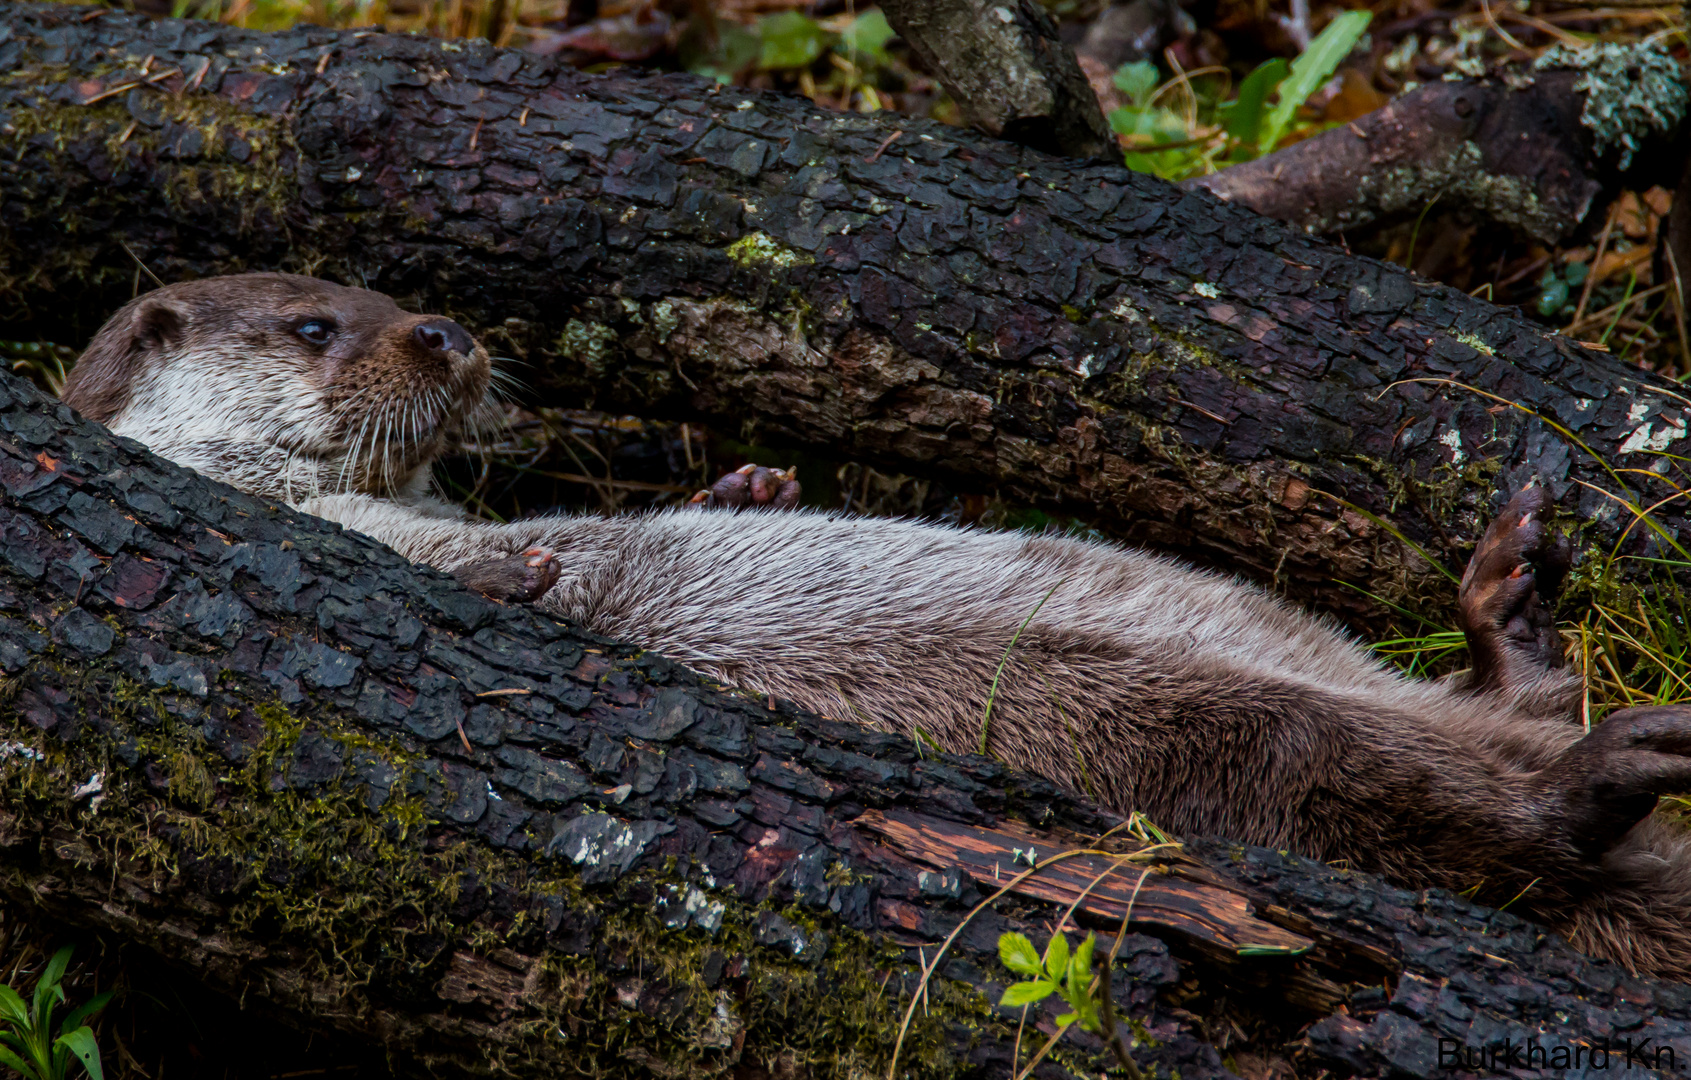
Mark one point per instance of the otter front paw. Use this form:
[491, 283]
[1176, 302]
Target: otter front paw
[515, 579]
[1505, 593]
[753, 485]
[1610, 780]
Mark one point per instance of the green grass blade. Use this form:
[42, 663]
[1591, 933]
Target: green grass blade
[1393, 529]
[13, 1061]
[992, 694]
[1312, 68]
[47, 991]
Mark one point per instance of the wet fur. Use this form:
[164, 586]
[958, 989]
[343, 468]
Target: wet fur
[1209, 705]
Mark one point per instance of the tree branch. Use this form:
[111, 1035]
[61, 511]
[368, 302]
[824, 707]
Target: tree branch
[1078, 337]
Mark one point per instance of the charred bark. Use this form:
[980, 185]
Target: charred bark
[1082, 338]
[343, 790]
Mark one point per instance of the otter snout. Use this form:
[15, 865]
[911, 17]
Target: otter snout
[443, 336]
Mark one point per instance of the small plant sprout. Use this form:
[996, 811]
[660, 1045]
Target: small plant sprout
[1068, 975]
[27, 1043]
[1058, 972]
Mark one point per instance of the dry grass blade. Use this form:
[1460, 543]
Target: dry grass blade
[1596, 261]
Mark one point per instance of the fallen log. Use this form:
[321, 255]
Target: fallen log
[341, 790]
[1181, 372]
[1529, 148]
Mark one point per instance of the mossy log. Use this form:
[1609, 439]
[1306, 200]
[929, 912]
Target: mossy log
[340, 789]
[1071, 335]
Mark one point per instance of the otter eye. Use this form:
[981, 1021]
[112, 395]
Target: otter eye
[316, 331]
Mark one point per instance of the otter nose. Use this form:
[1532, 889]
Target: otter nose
[442, 336]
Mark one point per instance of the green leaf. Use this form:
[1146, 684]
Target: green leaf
[13, 1061]
[1082, 962]
[1026, 993]
[1137, 80]
[81, 1043]
[868, 35]
[736, 49]
[790, 40]
[1019, 955]
[12, 1008]
[48, 985]
[1066, 1019]
[1271, 950]
[76, 1016]
[1057, 957]
[1314, 67]
[1243, 115]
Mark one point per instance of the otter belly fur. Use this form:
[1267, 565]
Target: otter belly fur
[1205, 703]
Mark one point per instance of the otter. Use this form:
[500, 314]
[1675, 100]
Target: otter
[1206, 703]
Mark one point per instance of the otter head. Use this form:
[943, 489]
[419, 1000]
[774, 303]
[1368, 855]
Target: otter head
[284, 386]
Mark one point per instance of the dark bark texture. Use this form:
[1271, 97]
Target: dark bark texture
[1078, 337]
[1514, 155]
[343, 790]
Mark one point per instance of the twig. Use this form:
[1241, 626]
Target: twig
[1602, 246]
[1678, 295]
[881, 149]
[1613, 309]
[1523, 272]
[1543, 27]
[1105, 977]
[137, 258]
[1485, 6]
[1200, 408]
[128, 86]
[199, 76]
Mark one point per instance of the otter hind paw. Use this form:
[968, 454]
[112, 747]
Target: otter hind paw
[755, 486]
[1505, 593]
[514, 579]
[1610, 780]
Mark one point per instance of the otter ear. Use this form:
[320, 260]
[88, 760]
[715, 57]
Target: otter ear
[100, 384]
[157, 323]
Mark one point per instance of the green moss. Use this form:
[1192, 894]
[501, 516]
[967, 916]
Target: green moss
[1475, 342]
[759, 249]
[366, 897]
[586, 343]
[213, 172]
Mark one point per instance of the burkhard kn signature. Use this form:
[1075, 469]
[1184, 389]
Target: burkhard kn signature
[1530, 1054]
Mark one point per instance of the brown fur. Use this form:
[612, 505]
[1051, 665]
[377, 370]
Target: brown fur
[1207, 704]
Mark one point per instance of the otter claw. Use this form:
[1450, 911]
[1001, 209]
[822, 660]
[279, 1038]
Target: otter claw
[1610, 780]
[514, 579]
[1505, 593]
[755, 486]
